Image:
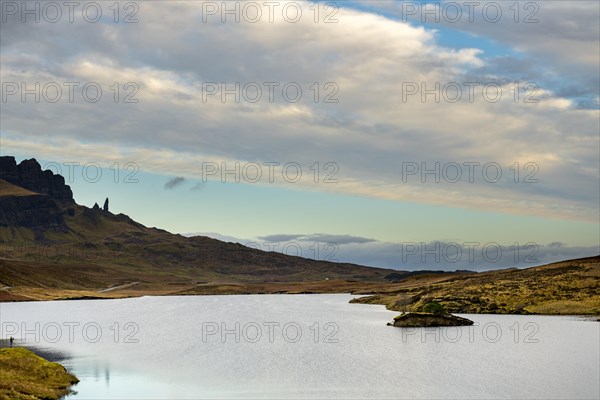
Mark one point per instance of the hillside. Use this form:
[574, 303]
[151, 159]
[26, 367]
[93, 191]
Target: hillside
[567, 287]
[50, 247]
[25, 376]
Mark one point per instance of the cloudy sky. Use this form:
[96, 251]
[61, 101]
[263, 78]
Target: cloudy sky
[386, 133]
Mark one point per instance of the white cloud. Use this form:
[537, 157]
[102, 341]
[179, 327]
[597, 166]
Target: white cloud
[368, 133]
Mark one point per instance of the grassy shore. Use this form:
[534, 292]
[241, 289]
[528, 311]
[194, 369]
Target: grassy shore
[567, 287]
[25, 376]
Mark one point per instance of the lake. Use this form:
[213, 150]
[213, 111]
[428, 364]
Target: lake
[302, 346]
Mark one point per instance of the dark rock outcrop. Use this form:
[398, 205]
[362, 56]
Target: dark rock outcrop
[105, 206]
[29, 175]
[42, 210]
[37, 212]
[423, 320]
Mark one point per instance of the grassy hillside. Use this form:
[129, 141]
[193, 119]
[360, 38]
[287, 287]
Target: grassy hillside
[100, 254]
[101, 238]
[568, 287]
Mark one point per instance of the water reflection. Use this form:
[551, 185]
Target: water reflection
[49, 353]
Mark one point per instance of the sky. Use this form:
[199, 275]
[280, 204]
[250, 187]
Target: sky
[406, 135]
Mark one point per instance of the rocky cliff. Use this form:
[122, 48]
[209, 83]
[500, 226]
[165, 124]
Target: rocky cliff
[37, 212]
[32, 198]
[29, 175]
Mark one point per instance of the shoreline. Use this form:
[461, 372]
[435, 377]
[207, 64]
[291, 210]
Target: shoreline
[565, 288]
[356, 300]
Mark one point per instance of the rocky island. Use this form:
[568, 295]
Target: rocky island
[425, 320]
[432, 315]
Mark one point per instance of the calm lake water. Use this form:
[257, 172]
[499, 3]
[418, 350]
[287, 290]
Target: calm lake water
[302, 346]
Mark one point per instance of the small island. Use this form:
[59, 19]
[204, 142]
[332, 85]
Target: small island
[432, 314]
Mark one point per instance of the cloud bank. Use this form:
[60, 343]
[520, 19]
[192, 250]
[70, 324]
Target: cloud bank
[364, 61]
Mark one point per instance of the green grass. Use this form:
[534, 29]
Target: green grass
[25, 376]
